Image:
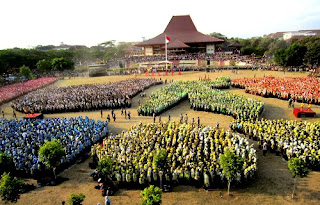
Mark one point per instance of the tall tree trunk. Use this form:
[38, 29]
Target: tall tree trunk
[229, 181]
[161, 182]
[294, 186]
[161, 174]
[54, 173]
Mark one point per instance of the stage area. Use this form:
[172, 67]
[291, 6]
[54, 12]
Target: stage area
[34, 116]
[303, 112]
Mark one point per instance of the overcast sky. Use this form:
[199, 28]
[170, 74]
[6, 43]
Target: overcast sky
[28, 23]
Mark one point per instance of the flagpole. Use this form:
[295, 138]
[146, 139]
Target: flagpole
[165, 40]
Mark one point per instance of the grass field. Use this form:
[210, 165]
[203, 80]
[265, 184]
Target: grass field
[273, 182]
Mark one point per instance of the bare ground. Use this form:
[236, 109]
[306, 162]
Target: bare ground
[272, 185]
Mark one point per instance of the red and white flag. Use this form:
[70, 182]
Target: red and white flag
[167, 39]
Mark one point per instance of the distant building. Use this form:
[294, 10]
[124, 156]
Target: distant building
[61, 47]
[184, 38]
[69, 47]
[276, 35]
[77, 47]
[290, 35]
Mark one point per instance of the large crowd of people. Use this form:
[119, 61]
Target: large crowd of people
[237, 106]
[21, 139]
[218, 56]
[82, 97]
[287, 137]
[12, 91]
[163, 99]
[304, 89]
[192, 151]
[202, 96]
[195, 56]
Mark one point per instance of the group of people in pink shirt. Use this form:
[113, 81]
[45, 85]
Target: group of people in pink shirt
[12, 91]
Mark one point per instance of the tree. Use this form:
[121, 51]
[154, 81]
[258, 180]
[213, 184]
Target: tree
[50, 154]
[312, 43]
[81, 55]
[294, 55]
[231, 165]
[279, 57]
[111, 52]
[44, 66]
[160, 162]
[123, 48]
[275, 45]
[151, 196]
[44, 48]
[298, 168]
[312, 56]
[25, 71]
[217, 35]
[110, 43]
[76, 199]
[61, 64]
[9, 188]
[6, 163]
[97, 54]
[104, 165]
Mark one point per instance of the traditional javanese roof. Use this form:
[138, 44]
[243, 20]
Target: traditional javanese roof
[235, 44]
[176, 44]
[183, 29]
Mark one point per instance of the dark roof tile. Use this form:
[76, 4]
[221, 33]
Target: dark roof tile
[183, 29]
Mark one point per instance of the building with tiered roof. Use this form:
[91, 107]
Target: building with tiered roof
[184, 39]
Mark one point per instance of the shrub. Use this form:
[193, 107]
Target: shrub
[6, 163]
[25, 71]
[298, 168]
[151, 195]
[104, 165]
[9, 188]
[76, 199]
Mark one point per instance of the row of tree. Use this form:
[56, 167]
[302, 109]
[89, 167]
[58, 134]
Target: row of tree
[286, 53]
[305, 51]
[12, 59]
[257, 45]
[46, 57]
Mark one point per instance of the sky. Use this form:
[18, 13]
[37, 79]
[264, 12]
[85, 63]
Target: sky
[28, 23]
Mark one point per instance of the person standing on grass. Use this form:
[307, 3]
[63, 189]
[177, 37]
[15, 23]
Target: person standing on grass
[186, 118]
[2, 113]
[198, 121]
[114, 117]
[129, 115]
[107, 201]
[169, 118]
[264, 148]
[181, 118]
[14, 115]
[101, 113]
[154, 117]
[108, 118]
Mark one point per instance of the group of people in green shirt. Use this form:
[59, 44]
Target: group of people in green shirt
[192, 154]
[290, 138]
[203, 95]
